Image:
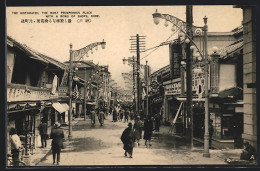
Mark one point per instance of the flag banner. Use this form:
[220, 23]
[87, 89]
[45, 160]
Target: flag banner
[87, 95]
[143, 94]
[78, 54]
[75, 93]
[199, 89]
[54, 85]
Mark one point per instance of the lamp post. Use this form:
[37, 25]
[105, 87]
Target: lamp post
[206, 135]
[197, 30]
[76, 55]
[186, 30]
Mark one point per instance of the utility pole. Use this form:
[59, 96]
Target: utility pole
[147, 79]
[134, 86]
[137, 44]
[138, 73]
[189, 20]
[70, 93]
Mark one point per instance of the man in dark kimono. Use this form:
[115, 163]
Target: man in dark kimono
[128, 139]
[148, 129]
[114, 114]
[57, 136]
[43, 133]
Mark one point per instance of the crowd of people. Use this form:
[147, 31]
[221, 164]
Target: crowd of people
[130, 137]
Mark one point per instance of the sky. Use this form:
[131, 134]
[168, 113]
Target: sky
[114, 24]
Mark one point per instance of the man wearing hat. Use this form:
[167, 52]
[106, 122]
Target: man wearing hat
[57, 136]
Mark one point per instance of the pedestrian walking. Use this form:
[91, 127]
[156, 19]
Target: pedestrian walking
[211, 130]
[43, 133]
[101, 116]
[118, 113]
[73, 112]
[57, 136]
[138, 125]
[92, 115]
[128, 139]
[111, 110]
[132, 115]
[121, 111]
[148, 129]
[114, 115]
[15, 145]
[157, 122]
[237, 131]
[127, 113]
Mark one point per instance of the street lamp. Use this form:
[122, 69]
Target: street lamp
[206, 134]
[188, 40]
[76, 55]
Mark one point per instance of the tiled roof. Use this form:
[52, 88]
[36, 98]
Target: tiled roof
[236, 92]
[224, 52]
[163, 69]
[37, 55]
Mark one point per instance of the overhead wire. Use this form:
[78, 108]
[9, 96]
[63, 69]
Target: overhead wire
[156, 47]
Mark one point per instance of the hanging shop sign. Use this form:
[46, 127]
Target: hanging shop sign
[157, 99]
[21, 94]
[173, 89]
[198, 81]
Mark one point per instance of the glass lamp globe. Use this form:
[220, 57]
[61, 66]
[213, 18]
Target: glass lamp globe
[103, 44]
[166, 23]
[181, 34]
[156, 17]
[192, 47]
[215, 49]
[187, 40]
[173, 28]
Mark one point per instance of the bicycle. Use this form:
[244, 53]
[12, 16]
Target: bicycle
[11, 163]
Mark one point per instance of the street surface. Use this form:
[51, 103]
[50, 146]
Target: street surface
[102, 146]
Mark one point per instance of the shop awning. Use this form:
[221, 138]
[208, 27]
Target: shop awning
[91, 103]
[193, 99]
[66, 106]
[57, 106]
[234, 92]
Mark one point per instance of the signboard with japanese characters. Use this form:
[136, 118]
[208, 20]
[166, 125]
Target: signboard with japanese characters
[173, 89]
[21, 94]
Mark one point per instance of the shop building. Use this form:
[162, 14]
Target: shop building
[33, 81]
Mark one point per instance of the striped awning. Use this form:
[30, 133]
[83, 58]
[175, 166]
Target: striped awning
[66, 106]
[57, 106]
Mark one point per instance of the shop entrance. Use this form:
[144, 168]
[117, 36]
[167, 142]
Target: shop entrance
[198, 122]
